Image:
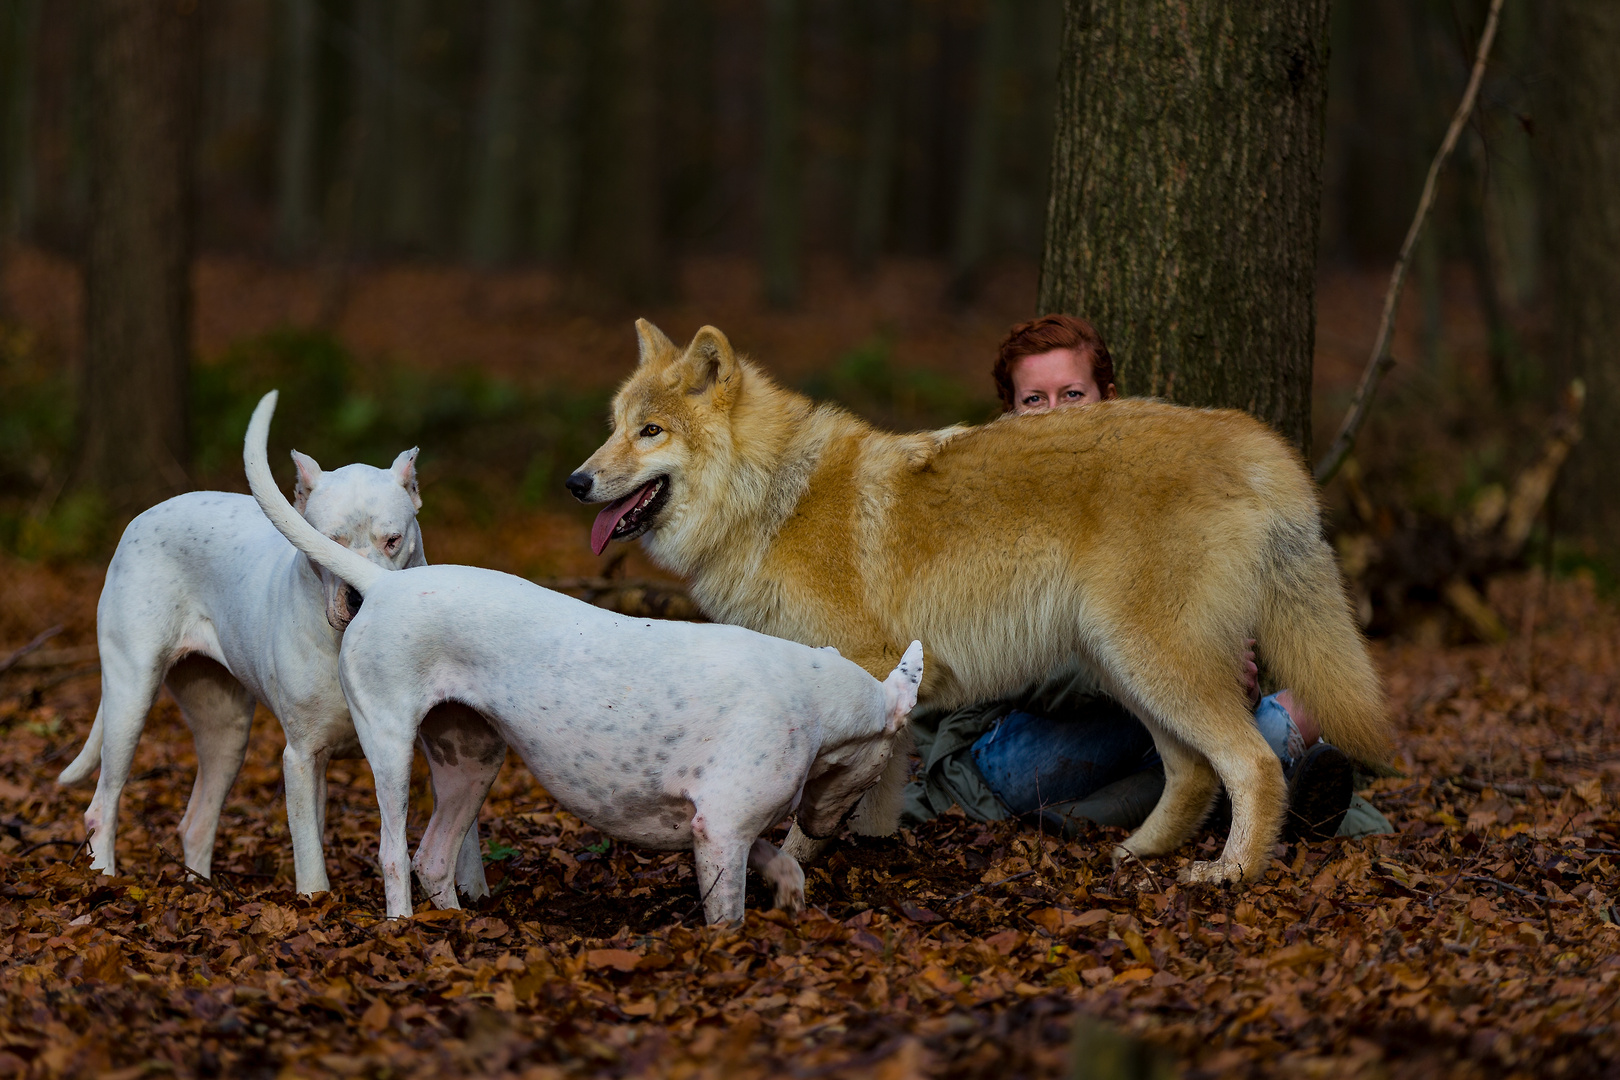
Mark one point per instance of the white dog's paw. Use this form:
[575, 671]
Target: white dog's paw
[787, 878]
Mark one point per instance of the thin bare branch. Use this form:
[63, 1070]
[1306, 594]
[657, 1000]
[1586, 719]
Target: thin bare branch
[1380, 361]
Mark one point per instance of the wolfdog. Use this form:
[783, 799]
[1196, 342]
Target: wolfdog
[1137, 541]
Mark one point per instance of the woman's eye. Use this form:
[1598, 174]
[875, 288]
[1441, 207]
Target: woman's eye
[1075, 393]
[650, 430]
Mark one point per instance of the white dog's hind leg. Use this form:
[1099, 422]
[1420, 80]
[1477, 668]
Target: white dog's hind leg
[784, 875]
[721, 852]
[304, 774]
[391, 771]
[464, 755]
[129, 684]
[219, 711]
[470, 877]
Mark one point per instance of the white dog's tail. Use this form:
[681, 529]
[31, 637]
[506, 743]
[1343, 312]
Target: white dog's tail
[323, 551]
[87, 761]
[878, 812]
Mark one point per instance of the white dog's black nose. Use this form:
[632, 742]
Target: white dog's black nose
[579, 485]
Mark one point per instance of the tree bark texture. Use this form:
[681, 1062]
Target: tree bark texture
[1186, 190]
[1580, 119]
[780, 196]
[621, 213]
[295, 152]
[499, 134]
[145, 62]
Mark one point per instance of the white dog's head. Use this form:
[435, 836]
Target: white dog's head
[370, 511]
[866, 765]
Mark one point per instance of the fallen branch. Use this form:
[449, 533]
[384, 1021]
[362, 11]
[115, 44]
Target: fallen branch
[1509, 788]
[39, 639]
[977, 889]
[1380, 361]
[1499, 883]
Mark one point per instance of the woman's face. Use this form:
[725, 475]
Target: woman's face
[1050, 379]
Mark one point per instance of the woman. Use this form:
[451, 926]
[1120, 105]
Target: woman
[1063, 752]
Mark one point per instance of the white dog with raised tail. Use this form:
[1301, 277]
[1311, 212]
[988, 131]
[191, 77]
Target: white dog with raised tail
[663, 734]
[204, 596]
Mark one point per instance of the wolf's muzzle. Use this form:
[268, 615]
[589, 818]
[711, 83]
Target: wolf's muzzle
[579, 485]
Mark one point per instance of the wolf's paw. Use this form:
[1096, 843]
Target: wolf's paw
[1214, 871]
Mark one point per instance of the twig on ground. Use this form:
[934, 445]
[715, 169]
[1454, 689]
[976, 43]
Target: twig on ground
[39, 639]
[1509, 788]
[977, 889]
[1380, 361]
[1499, 883]
[208, 881]
[31, 848]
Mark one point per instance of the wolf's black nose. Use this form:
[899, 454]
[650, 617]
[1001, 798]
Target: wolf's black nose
[579, 485]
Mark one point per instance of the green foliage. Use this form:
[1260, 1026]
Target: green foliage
[499, 851]
[866, 380]
[485, 442]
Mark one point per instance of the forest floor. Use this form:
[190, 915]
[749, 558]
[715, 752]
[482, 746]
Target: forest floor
[1479, 938]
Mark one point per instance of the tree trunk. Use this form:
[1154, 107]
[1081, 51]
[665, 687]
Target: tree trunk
[295, 154]
[884, 23]
[621, 235]
[145, 61]
[499, 134]
[780, 200]
[411, 126]
[1580, 119]
[17, 44]
[972, 235]
[555, 155]
[1186, 187]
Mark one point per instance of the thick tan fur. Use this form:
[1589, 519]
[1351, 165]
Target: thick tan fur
[1140, 541]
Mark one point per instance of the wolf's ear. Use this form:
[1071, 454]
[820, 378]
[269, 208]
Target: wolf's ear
[404, 470]
[309, 474]
[655, 344]
[710, 367]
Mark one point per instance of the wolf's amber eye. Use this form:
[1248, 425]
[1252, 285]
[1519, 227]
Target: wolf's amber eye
[651, 430]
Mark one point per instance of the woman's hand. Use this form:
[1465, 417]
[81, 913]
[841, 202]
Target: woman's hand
[1251, 674]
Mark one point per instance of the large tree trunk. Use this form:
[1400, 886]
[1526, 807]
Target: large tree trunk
[145, 60]
[780, 197]
[499, 134]
[621, 242]
[1186, 187]
[295, 151]
[884, 22]
[1580, 117]
[971, 241]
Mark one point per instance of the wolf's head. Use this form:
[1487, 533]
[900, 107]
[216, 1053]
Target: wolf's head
[869, 768]
[370, 511]
[672, 436]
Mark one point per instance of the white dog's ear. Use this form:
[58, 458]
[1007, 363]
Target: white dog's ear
[655, 344]
[309, 474]
[900, 688]
[404, 470]
[710, 367]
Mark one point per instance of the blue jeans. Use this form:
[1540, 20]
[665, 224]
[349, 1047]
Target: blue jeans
[1032, 761]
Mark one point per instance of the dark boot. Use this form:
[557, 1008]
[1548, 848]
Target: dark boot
[1320, 787]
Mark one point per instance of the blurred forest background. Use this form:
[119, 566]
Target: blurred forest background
[433, 222]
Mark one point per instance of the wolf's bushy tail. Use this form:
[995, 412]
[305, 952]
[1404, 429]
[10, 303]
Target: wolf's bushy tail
[322, 550]
[1308, 639]
[87, 761]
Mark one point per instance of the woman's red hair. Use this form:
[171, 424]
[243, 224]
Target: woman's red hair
[1043, 335]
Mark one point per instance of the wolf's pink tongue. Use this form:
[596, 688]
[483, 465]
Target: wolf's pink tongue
[602, 528]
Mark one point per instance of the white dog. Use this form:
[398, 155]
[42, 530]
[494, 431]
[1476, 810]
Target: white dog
[663, 734]
[205, 596]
